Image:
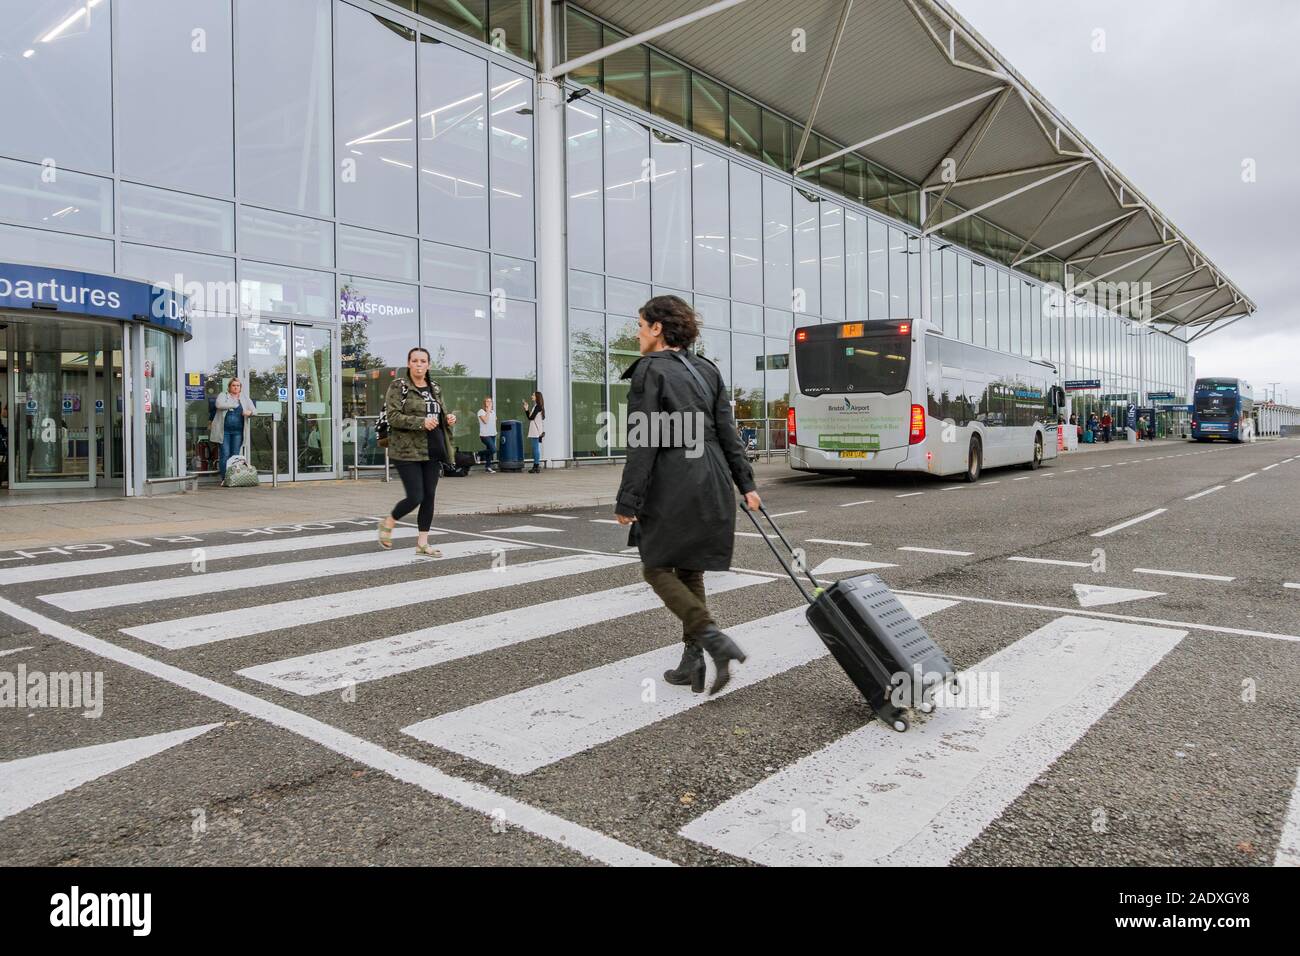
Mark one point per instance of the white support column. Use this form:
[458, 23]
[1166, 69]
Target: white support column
[552, 260]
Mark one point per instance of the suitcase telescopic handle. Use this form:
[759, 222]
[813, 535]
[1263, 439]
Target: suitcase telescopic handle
[779, 557]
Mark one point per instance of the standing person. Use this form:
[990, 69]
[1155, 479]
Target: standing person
[676, 495]
[1106, 423]
[227, 429]
[487, 433]
[419, 441]
[536, 428]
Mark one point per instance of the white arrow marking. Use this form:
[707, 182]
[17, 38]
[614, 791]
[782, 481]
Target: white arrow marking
[1094, 595]
[836, 565]
[523, 529]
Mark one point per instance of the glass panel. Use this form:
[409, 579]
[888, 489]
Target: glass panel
[877, 269]
[274, 235]
[963, 298]
[949, 258]
[313, 360]
[746, 317]
[284, 120]
[778, 272]
[177, 219]
[747, 387]
[159, 404]
[708, 108]
[454, 268]
[709, 203]
[746, 234]
[776, 379]
[55, 73]
[670, 211]
[465, 16]
[776, 141]
[268, 379]
[586, 291]
[991, 308]
[453, 144]
[668, 89]
[514, 358]
[51, 418]
[713, 312]
[513, 278]
[855, 259]
[52, 197]
[209, 367]
[209, 281]
[281, 290]
[627, 198]
[716, 347]
[914, 276]
[379, 253]
[581, 36]
[898, 262]
[743, 126]
[807, 261]
[626, 298]
[456, 331]
[42, 247]
[510, 27]
[627, 72]
[584, 164]
[778, 322]
[587, 381]
[510, 111]
[174, 60]
[832, 259]
[374, 109]
[1015, 315]
[977, 303]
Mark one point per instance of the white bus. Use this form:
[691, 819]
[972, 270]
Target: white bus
[899, 396]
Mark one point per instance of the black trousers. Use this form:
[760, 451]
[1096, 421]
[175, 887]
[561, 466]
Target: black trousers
[682, 592]
[420, 482]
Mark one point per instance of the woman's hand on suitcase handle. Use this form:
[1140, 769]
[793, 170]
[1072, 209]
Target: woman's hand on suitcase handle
[752, 501]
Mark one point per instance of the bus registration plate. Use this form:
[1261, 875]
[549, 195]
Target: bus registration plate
[855, 454]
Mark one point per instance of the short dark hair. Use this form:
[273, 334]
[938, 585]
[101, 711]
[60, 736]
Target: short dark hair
[681, 325]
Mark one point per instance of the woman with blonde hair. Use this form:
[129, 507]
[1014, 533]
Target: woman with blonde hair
[227, 428]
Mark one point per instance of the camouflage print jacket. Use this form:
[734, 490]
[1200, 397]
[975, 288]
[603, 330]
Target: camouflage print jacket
[407, 438]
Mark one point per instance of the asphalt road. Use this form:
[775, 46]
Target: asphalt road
[1160, 728]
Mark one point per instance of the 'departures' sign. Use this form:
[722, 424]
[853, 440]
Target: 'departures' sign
[84, 293]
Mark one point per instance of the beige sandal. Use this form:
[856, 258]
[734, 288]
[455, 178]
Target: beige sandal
[385, 536]
[427, 552]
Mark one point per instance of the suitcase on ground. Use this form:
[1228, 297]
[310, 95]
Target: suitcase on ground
[465, 460]
[881, 647]
[1088, 437]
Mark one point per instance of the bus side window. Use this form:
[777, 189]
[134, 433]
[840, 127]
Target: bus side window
[933, 381]
[954, 384]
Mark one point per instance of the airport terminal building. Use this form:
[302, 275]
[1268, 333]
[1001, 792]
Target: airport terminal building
[296, 192]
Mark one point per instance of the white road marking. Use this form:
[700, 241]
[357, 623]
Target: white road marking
[596, 521]
[473, 796]
[539, 725]
[1207, 491]
[372, 660]
[1095, 595]
[847, 544]
[1274, 465]
[1022, 478]
[247, 621]
[523, 529]
[1184, 574]
[880, 798]
[15, 650]
[839, 565]
[910, 494]
[216, 552]
[1069, 471]
[1129, 523]
[786, 514]
[850, 504]
[1105, 466]
[993, 482]
[32, 780]
[221, 582]
[954, 488]
[557, 517]
[1244, 477]
[1286, 585]
[1288, 845]
[960, 554]
[1090, 468]
[753, 534]
[1068, 564]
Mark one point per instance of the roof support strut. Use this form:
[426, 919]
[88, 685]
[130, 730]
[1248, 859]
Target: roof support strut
[1003, 198]
[1077, 235]
[821, 87]
[977, 132]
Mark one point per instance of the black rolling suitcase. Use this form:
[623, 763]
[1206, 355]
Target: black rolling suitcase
[881, 647]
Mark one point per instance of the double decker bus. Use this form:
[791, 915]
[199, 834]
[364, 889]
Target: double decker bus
[1223, 408]
[900, 396]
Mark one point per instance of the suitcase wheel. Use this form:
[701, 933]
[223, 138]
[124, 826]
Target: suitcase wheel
[925, 707]
[900, 724]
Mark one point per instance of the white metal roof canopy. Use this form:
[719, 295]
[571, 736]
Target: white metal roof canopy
[911, 86]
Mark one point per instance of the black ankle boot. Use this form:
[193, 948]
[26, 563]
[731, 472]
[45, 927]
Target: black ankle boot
[723, 650]
[690, 670]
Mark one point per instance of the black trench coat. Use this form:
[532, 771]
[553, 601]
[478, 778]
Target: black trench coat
[685, 506]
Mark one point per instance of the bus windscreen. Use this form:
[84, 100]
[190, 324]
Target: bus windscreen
[829, 361]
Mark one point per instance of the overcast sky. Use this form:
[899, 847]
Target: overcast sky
[1183, 93]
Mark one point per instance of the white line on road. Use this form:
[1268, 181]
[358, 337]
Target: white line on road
[960, 554]
[220, 582]
[910, 494]
[1184, 574]
[993, 482]
[753, 534]
[786, 514]
[850, 504]
[557, 517]
[1070, 471]
[1244, 477]
[1022, 478]
[19, 650]
[473, 796]
[847, 544]
[1288, 845]
[1068, 564]
[954, 488]
[247, 621]
[876, 797]
[1129, 523]
[603, 520]
[1286, 585]
[1207, 491]
[539, 725]
[1268, 467]
[372, 660]
[1090, 468]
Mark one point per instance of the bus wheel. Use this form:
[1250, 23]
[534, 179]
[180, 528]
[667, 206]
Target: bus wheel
[1037, 460]
[974, 460]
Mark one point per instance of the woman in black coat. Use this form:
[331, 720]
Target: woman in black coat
[683, 456]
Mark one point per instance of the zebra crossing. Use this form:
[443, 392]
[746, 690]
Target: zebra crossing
[868, 797]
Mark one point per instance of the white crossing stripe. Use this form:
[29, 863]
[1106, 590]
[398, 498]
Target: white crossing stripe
[1068, 564]
[1129, 523]
[850, 504]
[524, 529]
[244, 622]
[1207, 491]
[372, 660]
[216, 552]
[910, 494]
[960, 554]
[1184, 574]
[786, 514]
[558, 517]
[1288, 584]
[838, 565]
[1288, 846]
[1244, 477]
[880, 798]
[1274, 465]
[540, 725]
[32, 780]
[600, 521]
[220, 582]
[847, 544]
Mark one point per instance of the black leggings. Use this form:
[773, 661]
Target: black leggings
[420, 481]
